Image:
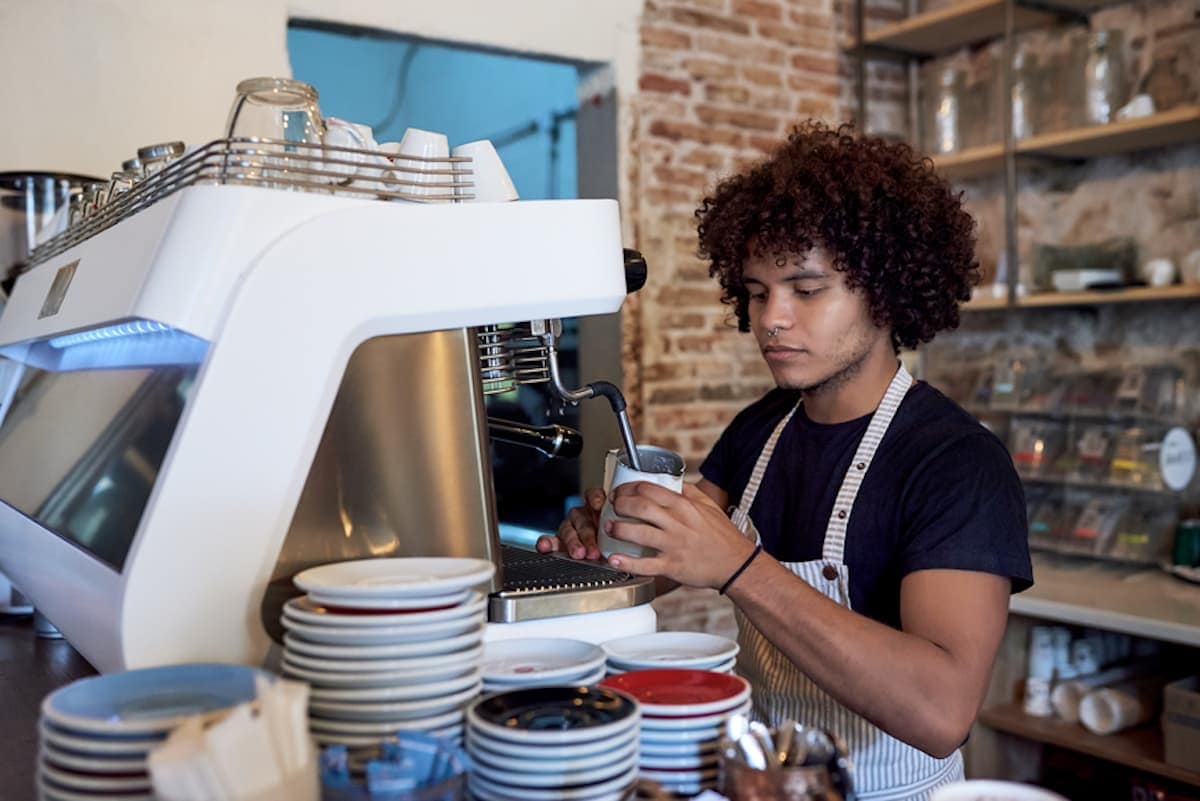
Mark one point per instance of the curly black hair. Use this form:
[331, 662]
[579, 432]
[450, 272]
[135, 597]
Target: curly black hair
[889, 223]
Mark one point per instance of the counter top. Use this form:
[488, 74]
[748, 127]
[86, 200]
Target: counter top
[30, 668]
[1141, 601]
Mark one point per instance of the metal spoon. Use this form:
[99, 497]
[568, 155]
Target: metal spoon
[752, 751]
[783, 740]
[766, 742]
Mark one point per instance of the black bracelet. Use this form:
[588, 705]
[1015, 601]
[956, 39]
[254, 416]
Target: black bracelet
[757, 550]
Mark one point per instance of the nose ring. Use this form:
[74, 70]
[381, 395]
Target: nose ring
[772, 332]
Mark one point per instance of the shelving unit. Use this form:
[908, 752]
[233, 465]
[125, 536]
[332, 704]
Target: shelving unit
[1140, 748]
[1136, 600]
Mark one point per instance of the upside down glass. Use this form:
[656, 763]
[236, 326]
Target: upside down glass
[283, 111]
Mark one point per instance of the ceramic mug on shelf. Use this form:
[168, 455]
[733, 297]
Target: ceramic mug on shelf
[659, 466]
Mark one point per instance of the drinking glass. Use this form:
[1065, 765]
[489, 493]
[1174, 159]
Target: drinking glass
[285, 112]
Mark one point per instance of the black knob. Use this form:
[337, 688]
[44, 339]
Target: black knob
[635, 270]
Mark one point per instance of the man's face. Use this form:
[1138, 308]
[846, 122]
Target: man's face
[822, 330]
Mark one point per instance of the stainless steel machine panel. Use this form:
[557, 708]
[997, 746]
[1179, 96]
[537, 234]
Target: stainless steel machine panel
[402, 468]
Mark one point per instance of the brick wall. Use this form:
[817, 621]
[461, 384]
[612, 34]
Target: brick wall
[721, 83]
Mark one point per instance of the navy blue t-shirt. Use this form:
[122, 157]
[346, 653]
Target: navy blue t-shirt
[941, 493]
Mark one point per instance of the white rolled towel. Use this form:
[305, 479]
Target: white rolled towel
[1108, 710]
[1067, 695]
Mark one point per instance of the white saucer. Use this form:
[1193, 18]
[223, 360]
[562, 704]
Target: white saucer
[488, 790]
[395, 650]
[693, 762]
[678, 723]
[677, 777]
[104, 746]
[405, 577]
[403, 692]
[304, 610]
[387, 635]
[400, 710]
[724, 667]
[556, 776]
[423, 602]
[383, 678]
[91, 764]
[48, 792]
[538, 681]
[413, 664]
[579, 750]
[542, 658]
[653, 737]
[679, 649]
[368, 740]
[81, 782]
[360, 727]
[692, 749]
[543, 763]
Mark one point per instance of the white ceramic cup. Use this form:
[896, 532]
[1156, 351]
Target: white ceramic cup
[423, 145]
[659, 466]
[340, 133]
[492, 183]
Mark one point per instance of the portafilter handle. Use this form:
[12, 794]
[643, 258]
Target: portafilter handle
[556, 441]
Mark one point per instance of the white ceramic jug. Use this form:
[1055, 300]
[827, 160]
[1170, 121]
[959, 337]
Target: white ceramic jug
[659, 466]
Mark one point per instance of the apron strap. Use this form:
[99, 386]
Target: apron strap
[760, 466]
[839, 520]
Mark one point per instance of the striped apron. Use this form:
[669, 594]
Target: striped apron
[885, 769]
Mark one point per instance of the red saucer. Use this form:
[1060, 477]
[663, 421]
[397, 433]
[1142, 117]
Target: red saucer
[677, 692]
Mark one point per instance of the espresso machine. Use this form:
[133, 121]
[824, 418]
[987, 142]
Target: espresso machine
[247, 364]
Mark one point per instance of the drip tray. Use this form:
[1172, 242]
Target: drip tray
[540, 585]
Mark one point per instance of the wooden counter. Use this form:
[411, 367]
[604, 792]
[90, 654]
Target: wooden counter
[30, 668]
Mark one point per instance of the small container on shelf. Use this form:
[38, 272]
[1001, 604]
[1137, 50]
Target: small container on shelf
[1143, 535]
[1036, 446]
[1096, 524]
[1158, 391]
[1135, 459]
[1090, 456]
[1090, 392]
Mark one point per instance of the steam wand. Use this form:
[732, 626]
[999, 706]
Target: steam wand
[549, 331]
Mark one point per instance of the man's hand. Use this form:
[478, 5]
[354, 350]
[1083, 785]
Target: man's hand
[576, 536]
[697, 544]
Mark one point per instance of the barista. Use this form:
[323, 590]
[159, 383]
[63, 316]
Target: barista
[877, 530]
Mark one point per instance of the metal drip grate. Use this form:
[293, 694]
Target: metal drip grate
[510, 355]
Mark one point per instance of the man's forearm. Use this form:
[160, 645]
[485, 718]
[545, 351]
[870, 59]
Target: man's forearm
[904, 684]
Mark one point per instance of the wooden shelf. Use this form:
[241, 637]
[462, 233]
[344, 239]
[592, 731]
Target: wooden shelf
[1105, 297]
[971, 163]
[1142, 601]
[1140, 748]
[1177, 126]
[1088, 298]
[964, 23]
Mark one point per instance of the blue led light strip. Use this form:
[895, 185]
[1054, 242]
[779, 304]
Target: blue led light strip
[131, 328]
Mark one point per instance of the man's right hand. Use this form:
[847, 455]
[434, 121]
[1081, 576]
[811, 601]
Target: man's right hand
[576, 537]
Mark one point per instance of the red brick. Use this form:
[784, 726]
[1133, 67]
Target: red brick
[759, 9]
[668, 195]
[672, 395]
[652, 82]
[815, 84]
[707, 68]
[817, 39]
[738, 118]
[742, 51]
[814, 107]
[701, 134]
[822, 65]
[812, 19]
[725, 93]
[682, 320]
[715, 22]
[688, 297]
[762, 77]
[763, 144]
[675, 176]
[704, 157]
[665, 37]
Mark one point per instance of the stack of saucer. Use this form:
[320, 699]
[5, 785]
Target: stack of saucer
[538, 662]
[671, 649]
[387, 645]
[683, 718]
[553, 744]
[96, 733]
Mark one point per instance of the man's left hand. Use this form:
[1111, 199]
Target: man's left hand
[697, 544]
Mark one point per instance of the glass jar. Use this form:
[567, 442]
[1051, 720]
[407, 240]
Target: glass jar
[278, 109]
[1106, 86]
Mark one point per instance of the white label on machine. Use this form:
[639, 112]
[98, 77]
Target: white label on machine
[1177, 459]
